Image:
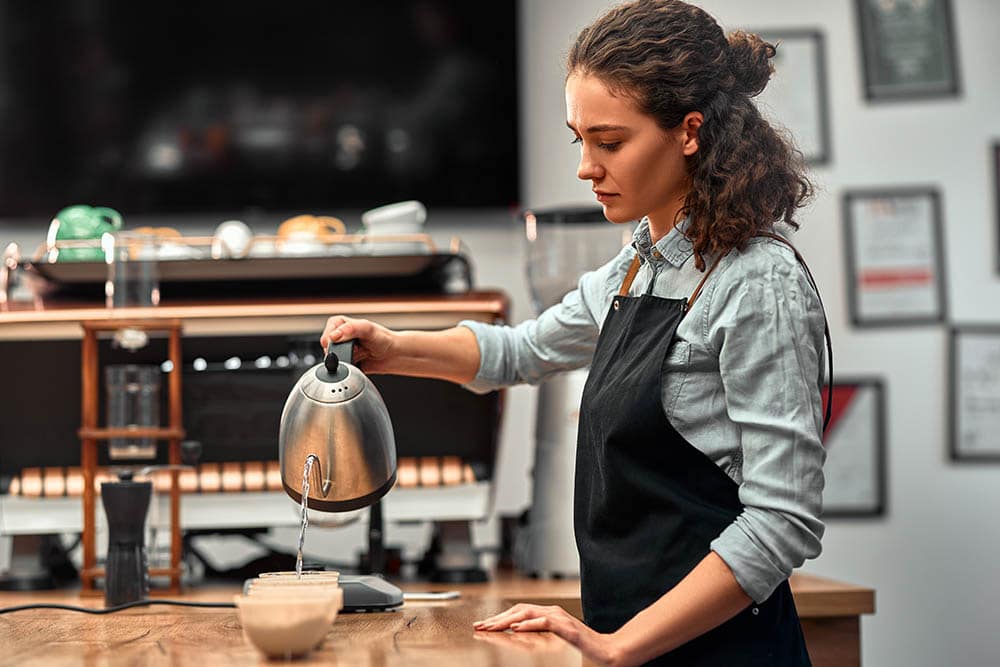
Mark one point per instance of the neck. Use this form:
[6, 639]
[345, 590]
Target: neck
[661, 222]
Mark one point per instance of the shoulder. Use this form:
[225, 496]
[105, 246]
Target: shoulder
[764, 260]
[764, 271]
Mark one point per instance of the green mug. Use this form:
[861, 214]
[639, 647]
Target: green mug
[81, 223]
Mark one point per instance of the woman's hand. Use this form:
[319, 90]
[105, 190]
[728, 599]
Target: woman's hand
[449, 354]
[373, 346]
[598, 647]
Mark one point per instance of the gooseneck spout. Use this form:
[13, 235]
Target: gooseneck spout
[324, 481]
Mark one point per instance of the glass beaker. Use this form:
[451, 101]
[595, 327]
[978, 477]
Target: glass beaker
[133, 398]
[563, 244]
[133, 275]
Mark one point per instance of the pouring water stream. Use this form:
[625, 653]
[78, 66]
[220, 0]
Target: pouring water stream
[305, 512]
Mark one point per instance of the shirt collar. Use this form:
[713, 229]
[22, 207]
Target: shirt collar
[674, 247]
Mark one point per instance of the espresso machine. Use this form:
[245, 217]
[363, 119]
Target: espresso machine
[563, 244]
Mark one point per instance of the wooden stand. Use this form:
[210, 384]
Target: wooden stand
[90, 433]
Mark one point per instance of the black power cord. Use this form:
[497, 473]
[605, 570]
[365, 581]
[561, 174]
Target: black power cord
[108, 610]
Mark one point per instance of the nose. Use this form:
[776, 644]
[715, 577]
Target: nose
[589, 168]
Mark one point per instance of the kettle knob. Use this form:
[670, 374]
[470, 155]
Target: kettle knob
[335, 352]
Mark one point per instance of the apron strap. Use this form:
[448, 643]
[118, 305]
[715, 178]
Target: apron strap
[704, 279]
[633, 269]
[826, 327]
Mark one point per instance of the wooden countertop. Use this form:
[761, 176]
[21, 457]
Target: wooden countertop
[421, 633]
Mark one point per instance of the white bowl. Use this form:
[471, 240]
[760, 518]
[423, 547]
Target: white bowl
[286, 627]
[301, 593]
[322, 574]
[304, 582]
[173, 251]
[301, 244]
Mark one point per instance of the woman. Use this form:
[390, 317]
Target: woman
[699, 462]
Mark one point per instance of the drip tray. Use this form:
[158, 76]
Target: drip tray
[369, 592]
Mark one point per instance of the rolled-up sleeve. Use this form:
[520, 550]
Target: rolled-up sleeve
[765, 322]
[562, 338]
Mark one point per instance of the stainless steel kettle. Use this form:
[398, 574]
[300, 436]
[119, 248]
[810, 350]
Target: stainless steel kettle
[335, 413]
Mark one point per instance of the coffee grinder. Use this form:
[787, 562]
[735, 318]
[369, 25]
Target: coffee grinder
[563, 244]
[126, 503]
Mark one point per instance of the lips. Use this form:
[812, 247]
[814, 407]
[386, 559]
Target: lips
[604, 196]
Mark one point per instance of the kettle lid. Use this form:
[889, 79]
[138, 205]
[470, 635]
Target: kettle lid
[320, 386]
[335, 380]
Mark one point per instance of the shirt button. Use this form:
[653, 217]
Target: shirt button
[657, 255]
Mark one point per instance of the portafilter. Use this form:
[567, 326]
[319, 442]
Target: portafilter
[335, 413]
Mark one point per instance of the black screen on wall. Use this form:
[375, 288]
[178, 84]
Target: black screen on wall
[179, 106]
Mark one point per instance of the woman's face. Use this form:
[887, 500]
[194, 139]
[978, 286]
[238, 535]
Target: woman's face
[635, 167]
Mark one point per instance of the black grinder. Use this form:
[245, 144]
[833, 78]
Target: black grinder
[126, 575]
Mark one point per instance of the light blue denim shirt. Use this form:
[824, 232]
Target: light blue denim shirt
[741, 382]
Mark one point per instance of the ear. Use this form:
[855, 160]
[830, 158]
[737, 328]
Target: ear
[690, 126]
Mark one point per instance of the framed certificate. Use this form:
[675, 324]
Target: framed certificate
[796, 96]
[995, 155]
[975, 393]
[895, 258]
[908, 49]
[855, 468]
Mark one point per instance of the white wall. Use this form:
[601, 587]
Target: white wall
[931, 559]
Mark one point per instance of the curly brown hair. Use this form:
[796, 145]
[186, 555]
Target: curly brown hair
[672, 58]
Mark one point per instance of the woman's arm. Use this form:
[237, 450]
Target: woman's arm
[451, 354]
[707, 597]
[484, 357]
[765, 321]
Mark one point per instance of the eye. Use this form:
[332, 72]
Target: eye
[610, 147]
[576, 140]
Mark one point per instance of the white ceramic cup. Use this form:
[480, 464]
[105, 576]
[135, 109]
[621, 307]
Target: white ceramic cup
[231, 239]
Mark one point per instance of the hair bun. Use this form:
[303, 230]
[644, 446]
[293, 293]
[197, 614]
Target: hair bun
[750, 59]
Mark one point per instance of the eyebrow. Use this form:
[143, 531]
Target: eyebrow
[599, 128]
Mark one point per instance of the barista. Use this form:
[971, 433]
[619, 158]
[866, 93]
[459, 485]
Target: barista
[699, 460]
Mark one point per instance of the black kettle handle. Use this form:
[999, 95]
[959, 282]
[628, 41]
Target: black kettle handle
[337, 352]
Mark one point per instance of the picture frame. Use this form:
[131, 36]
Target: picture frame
[894, 248]
[797, 96]
[974, 393]
[995, 155]
[908, 49]
[855, 442]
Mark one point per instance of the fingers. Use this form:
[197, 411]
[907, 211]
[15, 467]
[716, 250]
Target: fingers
[340, 328]
[561, 624]
[518, 615]
[507, 612]
[331, 326]
[503, 620]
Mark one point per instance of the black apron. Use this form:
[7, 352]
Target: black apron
[648, 503]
